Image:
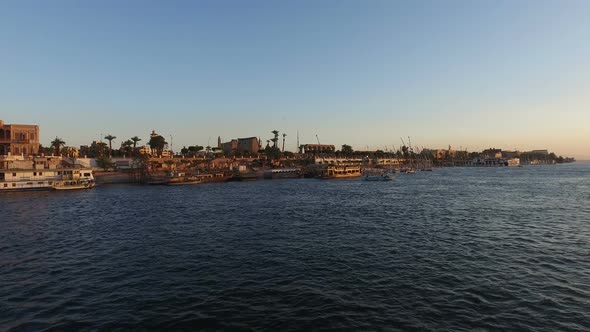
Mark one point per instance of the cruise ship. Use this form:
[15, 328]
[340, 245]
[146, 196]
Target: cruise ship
[42, 173]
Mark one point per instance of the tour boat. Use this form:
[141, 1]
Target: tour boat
[341, 172]
[45, 179]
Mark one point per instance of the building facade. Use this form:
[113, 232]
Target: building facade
[244, 145]
[317, 148]
[19, 139]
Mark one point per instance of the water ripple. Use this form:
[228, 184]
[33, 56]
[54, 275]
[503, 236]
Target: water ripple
[451, 250]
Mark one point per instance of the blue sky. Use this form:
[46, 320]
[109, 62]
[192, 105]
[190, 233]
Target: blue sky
[471, 74]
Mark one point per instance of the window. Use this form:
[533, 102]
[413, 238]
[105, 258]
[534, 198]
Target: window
[5, 185]
[13, 174]
[40, 173]
[14, 184]
[34, 173]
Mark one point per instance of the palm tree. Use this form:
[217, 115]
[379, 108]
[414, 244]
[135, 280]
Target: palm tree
[275, 139]
[126, 146]
[110, 138]
[135, 139]
[57, 143]
[158, 144]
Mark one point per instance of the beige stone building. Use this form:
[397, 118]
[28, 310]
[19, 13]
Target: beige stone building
[249, 145]
[19, 139]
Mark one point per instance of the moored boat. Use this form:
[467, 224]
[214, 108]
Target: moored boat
[341, 172]
[214, 177]
[73, 184]
[176, 178]
[283, 173]
[42, 173]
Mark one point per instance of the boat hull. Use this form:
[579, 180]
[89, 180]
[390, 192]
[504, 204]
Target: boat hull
[73, 185]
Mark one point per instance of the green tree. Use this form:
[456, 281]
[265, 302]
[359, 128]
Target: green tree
[184, 151]
[105, 163]
[57, 144]
[158, 143]
[346, 150]
[44, 150]
[97, 150]
[126, 147]
[110, 138]
[405, 151]
[194, 149]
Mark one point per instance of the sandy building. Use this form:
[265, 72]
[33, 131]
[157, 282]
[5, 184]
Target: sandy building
[19, 139]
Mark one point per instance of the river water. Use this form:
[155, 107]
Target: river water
[481, 249]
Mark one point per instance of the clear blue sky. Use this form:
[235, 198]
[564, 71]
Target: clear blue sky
[472, 74]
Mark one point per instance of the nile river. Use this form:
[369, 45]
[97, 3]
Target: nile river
[457, 249]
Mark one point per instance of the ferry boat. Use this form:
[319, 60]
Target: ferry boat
[341, 172]
[42, 173]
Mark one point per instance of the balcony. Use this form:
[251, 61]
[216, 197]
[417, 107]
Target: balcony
[16, 141]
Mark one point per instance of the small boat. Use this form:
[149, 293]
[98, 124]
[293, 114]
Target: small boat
[378, 177]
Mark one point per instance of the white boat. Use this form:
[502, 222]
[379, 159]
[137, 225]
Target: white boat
[41, 173]
[54, 179]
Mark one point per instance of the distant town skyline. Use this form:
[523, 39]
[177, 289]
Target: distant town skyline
[473, 75]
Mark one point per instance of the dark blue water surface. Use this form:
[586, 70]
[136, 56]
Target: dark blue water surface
[456, 249]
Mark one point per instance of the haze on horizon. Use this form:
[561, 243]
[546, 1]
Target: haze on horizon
[470, 74]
